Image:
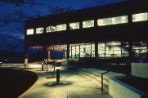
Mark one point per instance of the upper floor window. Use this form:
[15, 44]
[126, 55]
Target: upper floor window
[30, 31]
[74, 25]
[88, 23]
[61, 27]
[112, 20]
[39, 30]
[50, 29]
[140, 17]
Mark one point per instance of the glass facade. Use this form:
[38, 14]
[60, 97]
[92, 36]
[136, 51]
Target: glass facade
[88, 24]
[75, 25]
[112, 20]
[30, 31]
[39, 30]
[111, 49]
[139, 48]
[82, 50]
[140, 17]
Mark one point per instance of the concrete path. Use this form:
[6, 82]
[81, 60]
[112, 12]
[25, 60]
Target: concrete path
[75, 86]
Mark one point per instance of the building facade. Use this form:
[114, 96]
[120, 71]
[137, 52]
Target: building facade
[114, 31]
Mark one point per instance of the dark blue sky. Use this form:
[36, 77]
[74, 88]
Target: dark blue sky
[12, 33]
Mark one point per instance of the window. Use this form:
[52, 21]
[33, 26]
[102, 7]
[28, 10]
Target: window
[39, 30]
[113, 49]
[88, 23]
[101, 49]
[140, 17]
[30, 31]
[109, 49]
[82, 50]
[139, 48]
[74, 25]
[112, 20]
[60, 27]
[50, 29]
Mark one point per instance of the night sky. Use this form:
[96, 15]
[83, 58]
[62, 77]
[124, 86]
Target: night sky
[12, 32]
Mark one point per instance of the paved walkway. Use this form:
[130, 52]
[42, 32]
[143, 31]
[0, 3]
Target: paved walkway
[75, 86]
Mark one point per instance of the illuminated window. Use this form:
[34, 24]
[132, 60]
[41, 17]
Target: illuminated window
[61, 27]
[82, 50]
[50, 29]
[113, 49]
[112, 20]
[139, 48]
[88, 23]
[101, 49]
[39, 30]
[74, 25]
[30, 31]
[140, 17]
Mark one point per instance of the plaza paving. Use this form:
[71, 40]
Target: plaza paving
[74, 86]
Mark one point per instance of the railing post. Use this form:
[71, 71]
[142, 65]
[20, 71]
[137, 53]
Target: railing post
[102, 83]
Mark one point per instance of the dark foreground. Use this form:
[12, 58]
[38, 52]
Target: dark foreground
[14, 82]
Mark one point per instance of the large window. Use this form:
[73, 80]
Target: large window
[39, 30]
[113, 49]
[74, 25]
[82, 50]
[88, 23]
[112, 20]
[140, 17]
[59, 27]
[139, 48]
[101, 49]
[30, 31]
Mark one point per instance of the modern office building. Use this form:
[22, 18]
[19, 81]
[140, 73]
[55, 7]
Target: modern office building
[113, 31]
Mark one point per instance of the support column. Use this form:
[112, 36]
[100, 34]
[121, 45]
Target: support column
[131, 57]
[96, 50]
[67, 53]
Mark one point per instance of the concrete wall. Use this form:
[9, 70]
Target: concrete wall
[118, 89]
[139, 70]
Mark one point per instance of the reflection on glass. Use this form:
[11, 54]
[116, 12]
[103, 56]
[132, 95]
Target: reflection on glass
[30, 31]
[140, 17]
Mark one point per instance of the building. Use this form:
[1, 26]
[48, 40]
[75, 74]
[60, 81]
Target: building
[115, 32]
